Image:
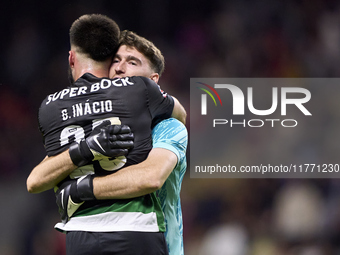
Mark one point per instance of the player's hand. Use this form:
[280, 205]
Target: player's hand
[71, 195]
[104, 141]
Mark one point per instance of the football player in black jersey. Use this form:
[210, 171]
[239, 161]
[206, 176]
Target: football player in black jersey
[71, 115]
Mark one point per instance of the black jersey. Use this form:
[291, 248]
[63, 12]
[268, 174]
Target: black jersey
[70, 114]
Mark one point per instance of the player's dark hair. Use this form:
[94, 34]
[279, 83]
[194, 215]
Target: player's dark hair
[95, 35]
[146, 47]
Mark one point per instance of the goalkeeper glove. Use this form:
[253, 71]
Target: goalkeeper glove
[70, 197]
[110, 141]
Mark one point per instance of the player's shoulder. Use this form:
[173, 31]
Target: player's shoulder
[143, 80]
[170, 124]
[171, 132]
[151, 86]
[174, 122]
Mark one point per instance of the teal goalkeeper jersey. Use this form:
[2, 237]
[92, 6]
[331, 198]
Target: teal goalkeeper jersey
[172, 135]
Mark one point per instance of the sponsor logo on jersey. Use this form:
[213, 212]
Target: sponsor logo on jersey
[77, 91]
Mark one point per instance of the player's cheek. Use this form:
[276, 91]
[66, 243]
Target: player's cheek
[112, 71]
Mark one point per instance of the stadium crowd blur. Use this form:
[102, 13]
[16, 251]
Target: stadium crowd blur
[216, 38]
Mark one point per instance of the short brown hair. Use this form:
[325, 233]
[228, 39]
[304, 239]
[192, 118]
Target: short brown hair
[146, 47]
[96, 35]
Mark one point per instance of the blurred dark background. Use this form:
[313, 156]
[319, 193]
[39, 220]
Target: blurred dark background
[215, 38]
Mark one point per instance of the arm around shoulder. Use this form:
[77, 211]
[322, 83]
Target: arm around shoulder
[179, 112]
[50, 172]
[137, 180]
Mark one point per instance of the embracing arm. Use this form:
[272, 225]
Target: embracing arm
[107, 141]
[137, 180]
[50, 172]
[133, 181]
[179, 112]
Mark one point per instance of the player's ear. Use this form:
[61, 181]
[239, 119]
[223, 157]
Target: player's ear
[154, 77]
[71, 58]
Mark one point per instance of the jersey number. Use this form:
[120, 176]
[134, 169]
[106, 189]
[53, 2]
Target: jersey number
[78, 133]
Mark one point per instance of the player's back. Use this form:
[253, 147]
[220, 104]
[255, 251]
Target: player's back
[71, 114]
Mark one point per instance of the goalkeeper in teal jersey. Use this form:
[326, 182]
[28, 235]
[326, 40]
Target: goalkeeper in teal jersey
[172, 135]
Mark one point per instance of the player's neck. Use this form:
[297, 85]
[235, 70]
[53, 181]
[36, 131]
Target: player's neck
[100, 73]
[99, 70]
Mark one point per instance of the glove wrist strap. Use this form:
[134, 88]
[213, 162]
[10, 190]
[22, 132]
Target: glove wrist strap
[76, 155]
[85, 188]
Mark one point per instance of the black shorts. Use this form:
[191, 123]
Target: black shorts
[115, 243]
